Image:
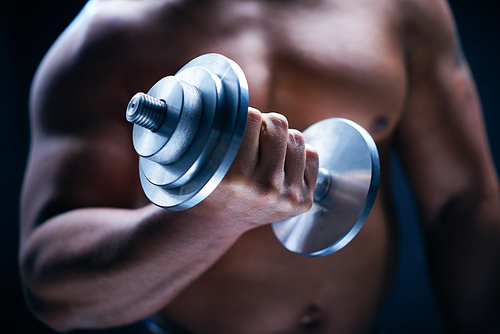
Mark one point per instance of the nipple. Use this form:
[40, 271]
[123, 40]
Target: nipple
[379, 124]
[312, 317]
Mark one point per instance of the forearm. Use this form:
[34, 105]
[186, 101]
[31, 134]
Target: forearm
[107, 267]
[463, 246]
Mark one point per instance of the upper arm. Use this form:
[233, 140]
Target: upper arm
[81, 152]
[442, 139]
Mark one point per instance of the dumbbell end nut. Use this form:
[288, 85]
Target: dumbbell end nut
[146, 111]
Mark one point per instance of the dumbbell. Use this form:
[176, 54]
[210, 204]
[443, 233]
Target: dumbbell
[187, 131]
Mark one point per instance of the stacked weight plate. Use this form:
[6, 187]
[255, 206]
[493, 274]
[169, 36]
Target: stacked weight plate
[183, 160]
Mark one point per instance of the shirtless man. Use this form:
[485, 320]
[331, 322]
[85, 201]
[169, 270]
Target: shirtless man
[95, 254]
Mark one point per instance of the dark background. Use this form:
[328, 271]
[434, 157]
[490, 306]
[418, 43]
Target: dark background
[28, 29]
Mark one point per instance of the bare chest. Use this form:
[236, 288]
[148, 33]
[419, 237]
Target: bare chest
[308, 60]
[316, 62]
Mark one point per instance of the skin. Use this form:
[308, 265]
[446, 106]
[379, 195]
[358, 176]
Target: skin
[95, 254]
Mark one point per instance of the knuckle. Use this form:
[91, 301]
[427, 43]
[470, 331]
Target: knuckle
[308, 202]
[305, 204]
[278, 120]
[296, 137]
[254, 116]
[272, 186]
[300, 199]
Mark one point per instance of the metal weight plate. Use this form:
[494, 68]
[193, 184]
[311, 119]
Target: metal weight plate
[349, 155]
[206, 173]
[211, 102]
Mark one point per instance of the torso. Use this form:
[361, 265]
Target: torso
[308, 62]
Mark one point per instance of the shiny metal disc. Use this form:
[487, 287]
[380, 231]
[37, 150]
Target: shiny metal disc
[349, 155]
[203, 138]
[205, 174]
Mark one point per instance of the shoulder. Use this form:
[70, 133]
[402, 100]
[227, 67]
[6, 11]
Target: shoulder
[102, 58]
[430, 29]
[104, 33]
[427, 15]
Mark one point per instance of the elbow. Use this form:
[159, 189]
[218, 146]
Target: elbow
[472, 204]
[60, 297]
[53, 315]
[40, 306]
[35, 276]
[38, 286]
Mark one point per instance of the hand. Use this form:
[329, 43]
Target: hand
[272, 178]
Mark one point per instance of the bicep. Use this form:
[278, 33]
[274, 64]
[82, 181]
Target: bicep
[81, 152]
[442, 139]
